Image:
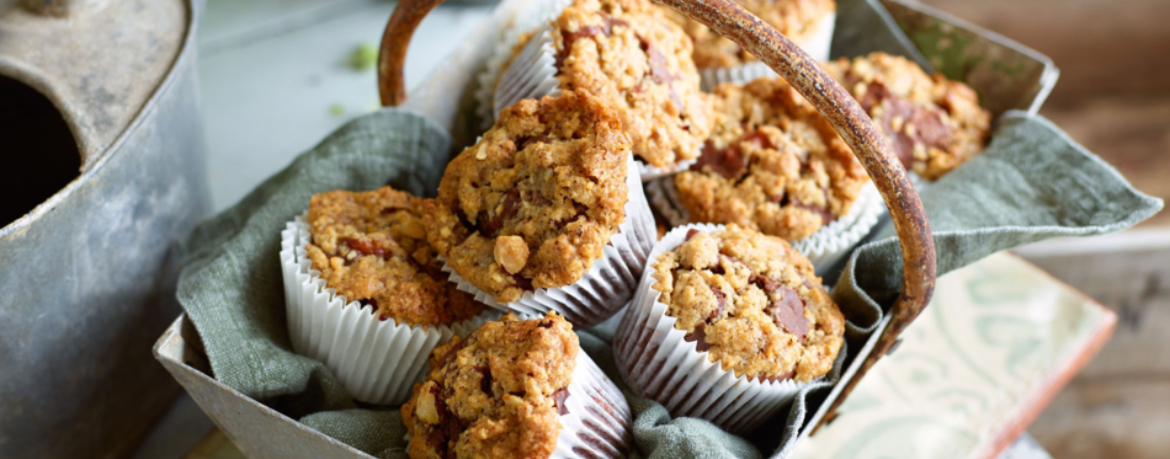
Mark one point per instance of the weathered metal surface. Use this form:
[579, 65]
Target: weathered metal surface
[1006, 74]
[99, 61]
[88, 276]
[259, 431]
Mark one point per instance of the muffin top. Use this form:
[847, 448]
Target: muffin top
[627, 53]
[752, 302]
[534, 202]
[497, 393]
[772, 164]
[934, 124]
[796, 19]
[372, 247]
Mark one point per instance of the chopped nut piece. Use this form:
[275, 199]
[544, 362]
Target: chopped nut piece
[511, 253]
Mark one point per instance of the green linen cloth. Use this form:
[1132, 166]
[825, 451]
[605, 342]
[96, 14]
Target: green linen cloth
[1031, 183]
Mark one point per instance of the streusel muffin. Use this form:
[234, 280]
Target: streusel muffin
[545, 195]
[516, 388]
[772, 164]
[359, 276]
[629, 55]
[372, 247]
[729, 309]
[934, 124]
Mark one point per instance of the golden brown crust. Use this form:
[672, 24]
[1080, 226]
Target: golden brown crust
[752, 302]
[551, 172]
[772, 164]
[628, 54]
[934, 124]
[796, 19]
[371, 247]
[494, 394]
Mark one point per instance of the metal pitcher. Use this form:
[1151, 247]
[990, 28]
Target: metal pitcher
[101, 173]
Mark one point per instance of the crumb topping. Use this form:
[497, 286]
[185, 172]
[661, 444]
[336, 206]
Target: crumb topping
[752, 302]
[534, 202]
[499, 392]
[628, 54]
[371, 247]
[772, 164]
[934, 124]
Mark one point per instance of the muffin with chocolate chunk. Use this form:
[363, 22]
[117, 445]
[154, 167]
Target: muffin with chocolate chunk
[516, 388]
[357, 265]
[775, 165]
[934, 124]
[626, 53]
[546, 205]
[808, 23]
[732, 308]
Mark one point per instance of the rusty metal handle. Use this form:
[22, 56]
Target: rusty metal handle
[800, 70]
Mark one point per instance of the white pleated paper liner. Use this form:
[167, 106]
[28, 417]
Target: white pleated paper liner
[378, 361]
[536, 13]
[823, 248]
[607, 286]
[599, 422]
[658, 363]
[533, 74]
[817, 47]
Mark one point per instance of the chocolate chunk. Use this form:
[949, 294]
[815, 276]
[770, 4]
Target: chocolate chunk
[721, 299]
[691, 233]
[510, 206]
[451, 354]
[658, 69]
[765, 283]
[569, 38]
[788, 312]
[699, 337]
[545, 324]
[729, 162]
[523, 142]
[559, 400]
[821, 211]
[485, 380]
[365, 247]
[523, 282]
[929, 129]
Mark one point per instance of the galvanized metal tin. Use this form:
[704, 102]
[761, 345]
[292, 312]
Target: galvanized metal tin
[87, 278]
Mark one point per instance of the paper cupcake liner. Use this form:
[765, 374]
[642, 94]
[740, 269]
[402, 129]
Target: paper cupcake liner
[607, 286]
[538, 12]
[649, 173]
[378, 361]
[817, 47]
[598, 422]
[657, 362]
[823, 248]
